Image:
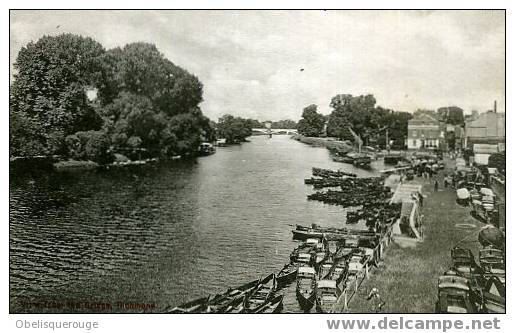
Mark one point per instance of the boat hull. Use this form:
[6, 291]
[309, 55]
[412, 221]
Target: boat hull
[306, 301]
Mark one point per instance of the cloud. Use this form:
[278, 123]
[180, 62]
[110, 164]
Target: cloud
[250, 61]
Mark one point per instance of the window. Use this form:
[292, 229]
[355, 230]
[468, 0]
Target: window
[414, 134]
[414, 143]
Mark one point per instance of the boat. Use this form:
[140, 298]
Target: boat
[262, 294]
[274, 306]
[287, 274]
[302, 232]
[360, 159]
[394, 159]
[306, 287]
[196, 306]
[487, 192]
[220, 303]
[355, 265]
[306, 250]
[492, 262]
[463, 196]
[339, 272]
[454, 295]
[206, 148]
[343, 159]
[216, 303]
[325, 268]
[464, 262]
[332, 246]
[327, 296]
[236, 306]
[321, 254]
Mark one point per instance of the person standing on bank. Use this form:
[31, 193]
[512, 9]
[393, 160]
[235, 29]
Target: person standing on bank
[436, 185]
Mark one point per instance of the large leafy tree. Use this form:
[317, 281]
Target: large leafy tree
[312, 122]
[233, 129]
[48, 93]
[451, 115]
[348, 110]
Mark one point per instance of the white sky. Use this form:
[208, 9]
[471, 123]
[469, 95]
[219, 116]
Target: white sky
[250, 61]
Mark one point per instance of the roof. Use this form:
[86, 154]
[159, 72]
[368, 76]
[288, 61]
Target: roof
[423, 119]
[306, 270]
[326, 284]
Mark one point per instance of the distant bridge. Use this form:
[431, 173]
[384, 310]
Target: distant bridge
[276, 131]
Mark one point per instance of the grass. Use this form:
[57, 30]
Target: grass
[407, 278]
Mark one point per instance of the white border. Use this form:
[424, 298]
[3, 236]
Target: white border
[236, 323]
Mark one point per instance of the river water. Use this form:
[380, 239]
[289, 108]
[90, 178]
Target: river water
[166, 233]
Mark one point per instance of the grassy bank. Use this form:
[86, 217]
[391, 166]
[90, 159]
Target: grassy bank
[407, 278]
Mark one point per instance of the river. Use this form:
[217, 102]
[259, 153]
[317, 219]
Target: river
[165, 233]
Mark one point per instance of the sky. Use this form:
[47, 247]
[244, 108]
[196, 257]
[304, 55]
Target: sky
[269, 65]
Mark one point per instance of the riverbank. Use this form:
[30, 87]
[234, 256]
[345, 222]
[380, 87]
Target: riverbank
[407, 277]
[329, 143]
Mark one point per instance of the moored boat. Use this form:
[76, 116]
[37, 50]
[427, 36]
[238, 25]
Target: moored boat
[195, 306]
[463, 196]
[262, 294]
[454, 295]
[306, 287]
[287, 274]
[274, 306]
[327, 296]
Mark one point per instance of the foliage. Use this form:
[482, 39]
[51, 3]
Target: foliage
[284, 124]
[498, 160]
[348, 110]
[143, 101]
[451, 115]
[233, 129]
[312, 122]
[89, 145]
[366, 120]
[47, 93]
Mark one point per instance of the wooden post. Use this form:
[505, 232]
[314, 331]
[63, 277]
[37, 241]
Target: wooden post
[345, 300]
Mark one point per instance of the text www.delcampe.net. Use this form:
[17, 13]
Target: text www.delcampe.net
[413, 324]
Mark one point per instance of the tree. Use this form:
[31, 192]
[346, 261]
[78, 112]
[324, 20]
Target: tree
[234, 130]
[48, 91]
[451, 115]
[312, 122]
[348, 110]
[498, 160]
[89, 145]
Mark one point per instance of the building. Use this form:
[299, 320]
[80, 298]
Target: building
[488, 128]
[425, 132]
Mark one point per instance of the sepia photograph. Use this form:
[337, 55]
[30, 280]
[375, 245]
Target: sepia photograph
[257, 162]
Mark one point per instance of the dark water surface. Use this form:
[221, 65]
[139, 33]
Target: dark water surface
[166, 233]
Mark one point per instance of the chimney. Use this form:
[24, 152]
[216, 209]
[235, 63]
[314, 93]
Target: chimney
[495, 106]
